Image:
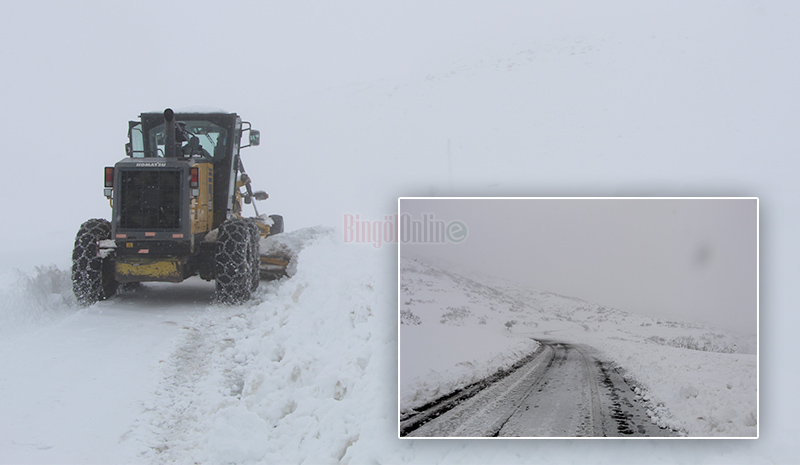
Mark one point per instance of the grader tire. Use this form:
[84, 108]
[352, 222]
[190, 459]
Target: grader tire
[235, 260]
[255, 260]
[92, 275]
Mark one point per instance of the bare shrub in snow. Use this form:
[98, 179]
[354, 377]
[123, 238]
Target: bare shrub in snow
[510, 324]
[689, 342]
[455, 316]
[407, 317]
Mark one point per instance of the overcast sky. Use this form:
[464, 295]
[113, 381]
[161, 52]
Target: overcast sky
[692, 260]
[646, 98]
[606, 99]
[657, 96]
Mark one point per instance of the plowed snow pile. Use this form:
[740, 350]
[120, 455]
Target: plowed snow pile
[307, 375]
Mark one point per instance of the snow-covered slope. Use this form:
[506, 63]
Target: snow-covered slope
[456, 330]
[453, 333]
[73, 380]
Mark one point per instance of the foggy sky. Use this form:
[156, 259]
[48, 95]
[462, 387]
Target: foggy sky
[616, 96]
[687, 259]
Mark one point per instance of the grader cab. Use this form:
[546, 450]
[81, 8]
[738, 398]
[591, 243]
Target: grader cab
[177, 211]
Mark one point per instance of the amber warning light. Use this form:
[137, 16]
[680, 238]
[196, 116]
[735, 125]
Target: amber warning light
[109, 176]
[109, 181]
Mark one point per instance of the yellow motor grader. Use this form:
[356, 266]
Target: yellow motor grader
[177, 212]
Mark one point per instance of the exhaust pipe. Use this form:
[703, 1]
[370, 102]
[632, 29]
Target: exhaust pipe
[170, 142]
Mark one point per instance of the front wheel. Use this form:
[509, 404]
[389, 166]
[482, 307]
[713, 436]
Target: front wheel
[92, 271]
[236, 261]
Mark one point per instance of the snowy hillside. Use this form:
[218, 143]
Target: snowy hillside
[456, 330]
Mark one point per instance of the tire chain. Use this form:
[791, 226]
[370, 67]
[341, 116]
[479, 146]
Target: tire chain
[236, 261]
[88, 283]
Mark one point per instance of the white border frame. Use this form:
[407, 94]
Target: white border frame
[758, 320]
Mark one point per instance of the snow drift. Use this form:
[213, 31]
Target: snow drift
[301, 377]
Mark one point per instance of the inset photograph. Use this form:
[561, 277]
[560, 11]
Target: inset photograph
[578, 317]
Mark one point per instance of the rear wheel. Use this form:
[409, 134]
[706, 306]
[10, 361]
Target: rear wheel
[236, 261]
[92, 271]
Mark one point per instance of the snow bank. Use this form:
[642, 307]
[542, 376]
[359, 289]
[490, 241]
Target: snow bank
[454, 358]
[706, 394]
[306, 376]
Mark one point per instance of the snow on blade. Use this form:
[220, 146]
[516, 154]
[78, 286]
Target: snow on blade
[290, 244]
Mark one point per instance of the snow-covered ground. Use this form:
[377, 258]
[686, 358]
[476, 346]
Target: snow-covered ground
[452, 334]
[456, 330]
[73, 380]
[307, 372]
[303, 374]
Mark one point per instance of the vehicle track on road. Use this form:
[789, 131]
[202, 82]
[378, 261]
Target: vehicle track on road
[561, 390]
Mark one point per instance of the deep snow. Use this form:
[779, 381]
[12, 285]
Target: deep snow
[73, 379]
[306, 373]
[300, 376]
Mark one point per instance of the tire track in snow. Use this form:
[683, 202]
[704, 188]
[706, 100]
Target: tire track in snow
[563, 391]
[200, 379]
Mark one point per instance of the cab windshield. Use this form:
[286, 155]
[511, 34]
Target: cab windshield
[197, 139]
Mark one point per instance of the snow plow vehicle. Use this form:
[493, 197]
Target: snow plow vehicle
[177, 212]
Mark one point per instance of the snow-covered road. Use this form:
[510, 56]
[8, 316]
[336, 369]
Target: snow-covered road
[563, 390]
[71, 391]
